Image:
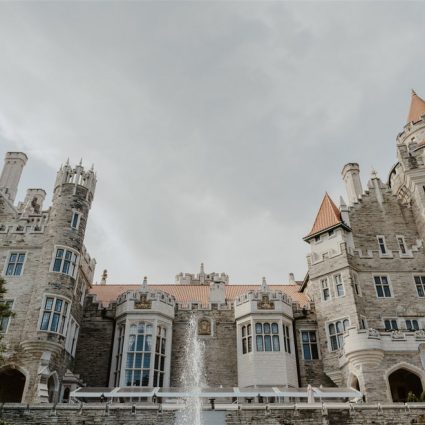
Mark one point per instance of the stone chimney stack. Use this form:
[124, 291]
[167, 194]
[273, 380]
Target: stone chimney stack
[351, 175]
[14, 163]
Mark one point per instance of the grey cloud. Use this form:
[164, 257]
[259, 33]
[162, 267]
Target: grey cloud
[215, 127]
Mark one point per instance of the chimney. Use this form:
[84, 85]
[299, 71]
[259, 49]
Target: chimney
[351, 175]
[14, 163]
[291, 279]
[104, 277]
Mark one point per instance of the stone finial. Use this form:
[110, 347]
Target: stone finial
[291, 279]
[373, 174]
[414, 93]
[145, 284]
[264, 286]
[104, 277]
[202, 268]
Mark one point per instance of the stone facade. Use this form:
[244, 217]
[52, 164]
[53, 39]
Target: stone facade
[357, 320]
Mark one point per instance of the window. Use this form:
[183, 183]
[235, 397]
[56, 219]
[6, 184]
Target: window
[420, 285]
[267, 337]
[401, 244]
[390, 324]
[382, 247]
[159, 366]
[382, 286]
[54, 315]
[246, 339]
[75, 221]
[4, 321]
[412, 325]
[15, 264]
[326, 295]
[363, 322]
[336, 331]
[65, 261]
[118, 356]
[72, 336]
[339, 286]
[139, 355]
[356, 285]
[287, 339]
[309, 341]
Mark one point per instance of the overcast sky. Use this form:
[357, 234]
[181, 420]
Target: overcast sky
[215, 127]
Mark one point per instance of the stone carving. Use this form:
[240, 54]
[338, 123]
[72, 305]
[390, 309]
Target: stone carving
[373, 333]
[143, 303]
[265, 303]
[420, 334]
[204, 327]
[397, 335]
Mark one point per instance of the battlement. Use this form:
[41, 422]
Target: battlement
[201, 278]
[77, 176]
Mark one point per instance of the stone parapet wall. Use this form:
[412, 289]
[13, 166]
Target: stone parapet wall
[247, 414]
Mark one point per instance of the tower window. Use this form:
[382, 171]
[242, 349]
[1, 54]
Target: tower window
[420, 285]
[267, 337]
[391, 324]
[325, 289]
[75, 221]
[412, 325]
[356, 285]
[401, 244]
[339, 286]
[15, 264]
[336, 331]
[309, 341]
[382, 286]
[65, 261]
[54, 315]
[382, 246]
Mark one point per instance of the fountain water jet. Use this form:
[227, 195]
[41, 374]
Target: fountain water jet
[192, 377]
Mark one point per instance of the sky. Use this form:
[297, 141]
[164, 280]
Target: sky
[215, 128]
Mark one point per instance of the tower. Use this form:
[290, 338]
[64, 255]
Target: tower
[14, 163]
[48, 272]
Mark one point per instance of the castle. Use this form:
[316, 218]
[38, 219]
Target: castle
[357, 320]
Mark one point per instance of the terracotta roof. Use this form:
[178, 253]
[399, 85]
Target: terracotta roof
[193, 293]
[417, 108]
[327, 217]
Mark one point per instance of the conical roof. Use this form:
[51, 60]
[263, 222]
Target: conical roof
[417, 108]
[327, 217]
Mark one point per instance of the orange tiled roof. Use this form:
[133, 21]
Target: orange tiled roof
[417, 108]
[327, 217]
[193, 293]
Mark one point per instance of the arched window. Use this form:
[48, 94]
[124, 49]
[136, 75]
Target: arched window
[402, 382]
[12, 383]
[139, 355]
[267, 336]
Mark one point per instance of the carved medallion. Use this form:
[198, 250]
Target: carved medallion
[204, 327]
[265, 303]
[143, 302]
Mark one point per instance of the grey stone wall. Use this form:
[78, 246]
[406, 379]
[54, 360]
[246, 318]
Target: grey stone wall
[248, 415]
[93, 356]
[220, 347]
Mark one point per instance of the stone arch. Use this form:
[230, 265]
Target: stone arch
[353, 381]
[53, 387]
[13, 384]
[402, 378]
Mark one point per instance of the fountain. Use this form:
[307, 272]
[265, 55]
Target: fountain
[192, 377]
